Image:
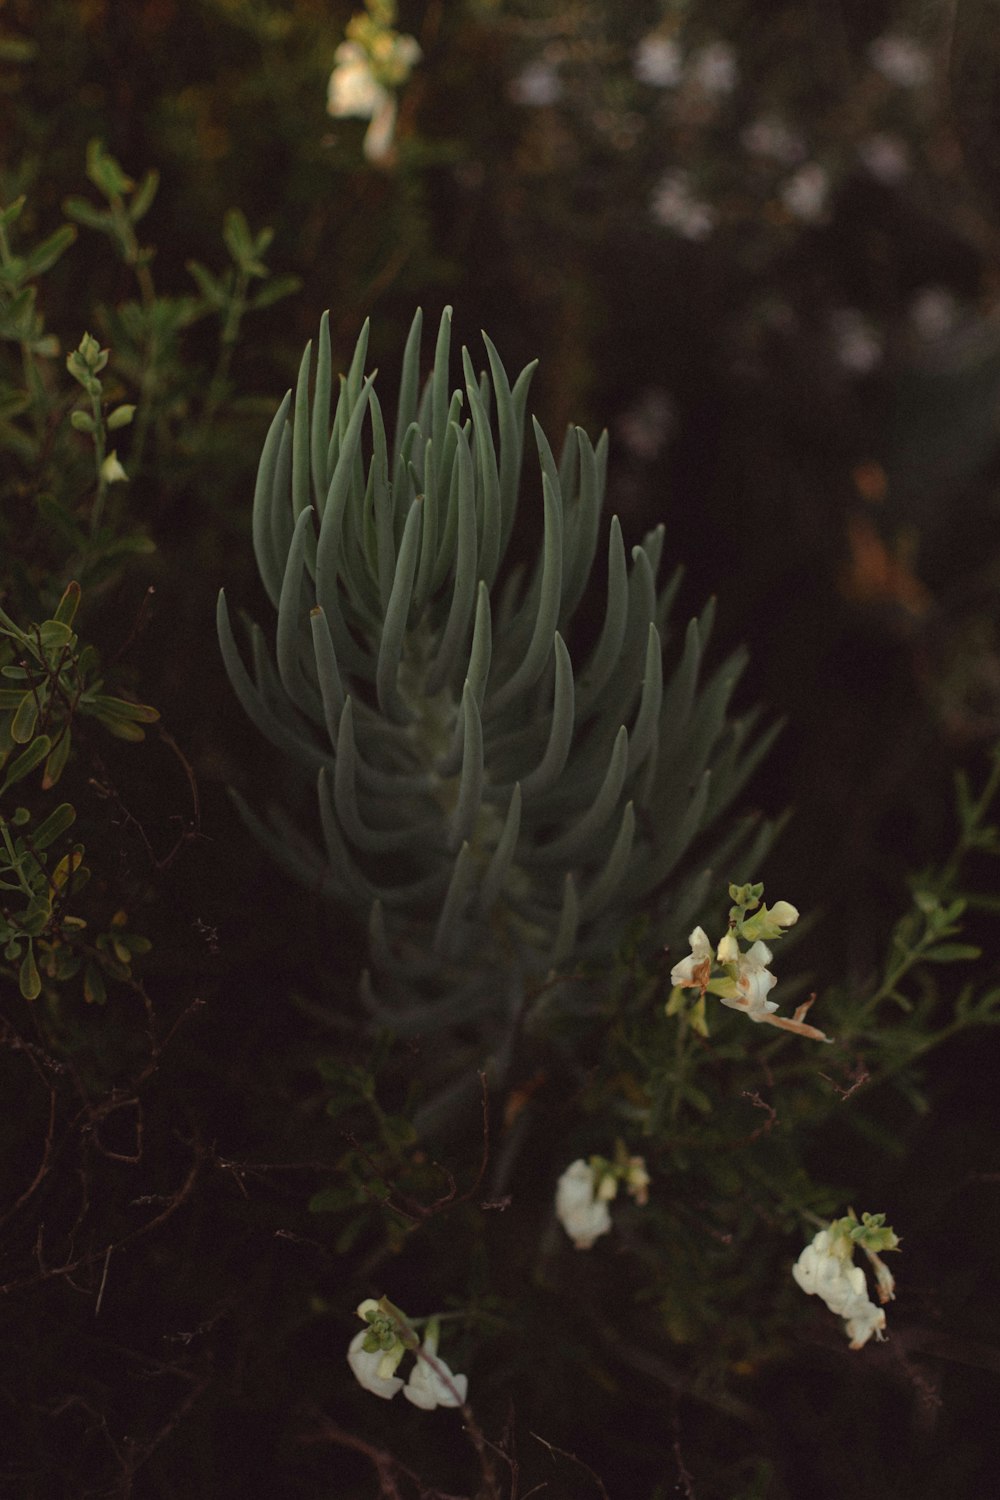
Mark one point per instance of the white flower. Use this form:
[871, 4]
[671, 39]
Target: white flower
[784, 913]
[674, 206]
[901, 60]
[728, 951]
[861, 1325]
[353, 88]
[693, 972]
[753, 982]
[933, 312]
[822, 1270]
[658, 61]
[581, 1207]
[432, 1383]
[770, 137]
[537, 85]
[886, 157]
[111, 469]
[714, 68]
[374, 1370]
[805, 193]
[858, 347]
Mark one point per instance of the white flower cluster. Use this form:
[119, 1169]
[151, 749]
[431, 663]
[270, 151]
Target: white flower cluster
[745, 981]
[900, 60]
[675, 206]
[659, 61]
[375, 1353]
[586, 1188]
[826, 1269]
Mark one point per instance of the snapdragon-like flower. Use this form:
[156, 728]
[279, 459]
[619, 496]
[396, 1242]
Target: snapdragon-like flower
[375, 1353]
[581, 1208]
[694, 971]
[585, 1190]
[745, 981]
[826, 1269]
[754, 981]
[432, 1383]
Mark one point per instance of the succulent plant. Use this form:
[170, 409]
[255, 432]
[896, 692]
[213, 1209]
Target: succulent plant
[491, 810]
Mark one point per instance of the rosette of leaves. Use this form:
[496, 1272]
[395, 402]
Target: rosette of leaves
[493, 808]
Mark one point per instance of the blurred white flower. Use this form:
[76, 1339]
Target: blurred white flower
[674, 207]
[824, 1269]
[537, 85]
[858, 347]
[646, 426]
[806, 192]
[886, 157]
[714, 68]
[658, 61]
[770, 137]
[355, 90]
[933, 312]
[582, 1205]
[111, 469]
[900, 60]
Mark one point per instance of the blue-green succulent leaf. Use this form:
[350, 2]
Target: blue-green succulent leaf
[409, 386]
[502, 857]
[270, 561]
[394, 627]
[319, 427]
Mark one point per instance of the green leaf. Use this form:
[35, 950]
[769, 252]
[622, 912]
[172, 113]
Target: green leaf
[55, 635]
[85, 213]
[274, 289]
[57, 822]
[67, 606]
[212, 289]
[48, 252]
[143, 196]
[29, 979]
[116, 709]
[94, 989]
[105, 172]
[948, 953]
[25, 719]
[12, 212]
[27, 761]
